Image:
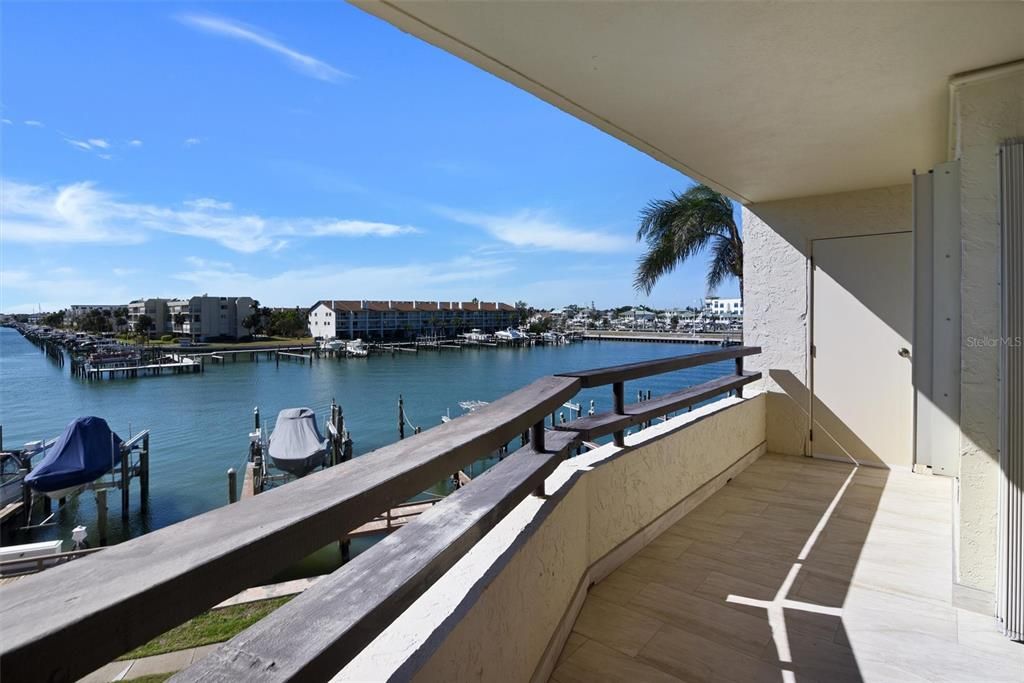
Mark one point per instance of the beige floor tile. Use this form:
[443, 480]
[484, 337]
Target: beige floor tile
[595, 663]
[615, 626]
[574, 642]
[694, 658]
[743, 629]
[618, 587]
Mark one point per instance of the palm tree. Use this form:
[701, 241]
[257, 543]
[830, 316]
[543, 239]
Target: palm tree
[676, 229]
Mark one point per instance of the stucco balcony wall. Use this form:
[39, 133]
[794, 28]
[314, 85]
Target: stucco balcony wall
[504, 611]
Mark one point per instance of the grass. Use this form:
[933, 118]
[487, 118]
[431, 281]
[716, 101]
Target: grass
[151, 678]
[214, 626]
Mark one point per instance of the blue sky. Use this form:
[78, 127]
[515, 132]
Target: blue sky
[293, 152]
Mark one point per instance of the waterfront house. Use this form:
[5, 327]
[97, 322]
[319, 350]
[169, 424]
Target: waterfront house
[715, 307]
[367, 319]
[854, 514]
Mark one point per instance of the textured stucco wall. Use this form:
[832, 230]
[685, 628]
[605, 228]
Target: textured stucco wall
[776, 308]
[988, 112]
[492, 616]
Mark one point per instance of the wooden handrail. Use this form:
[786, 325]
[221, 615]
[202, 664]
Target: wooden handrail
[624, 373]
[67, 621]
[595, 426]
[355, 603]
[96, 608]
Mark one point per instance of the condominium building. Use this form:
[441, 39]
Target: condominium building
[201, 318]
[353, 319]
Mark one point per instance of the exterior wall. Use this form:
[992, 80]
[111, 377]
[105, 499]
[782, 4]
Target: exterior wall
[476, 624]
[777, 309]
[988, 111]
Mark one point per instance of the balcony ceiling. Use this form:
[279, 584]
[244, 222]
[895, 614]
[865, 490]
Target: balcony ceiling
[764, 101]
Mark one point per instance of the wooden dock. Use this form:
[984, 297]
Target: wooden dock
[393, 519]
[714, 338]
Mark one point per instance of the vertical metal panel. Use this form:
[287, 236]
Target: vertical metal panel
[946, 328]
[937, 333]
[1010, 601]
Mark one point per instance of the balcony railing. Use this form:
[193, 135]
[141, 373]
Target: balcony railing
[69, 620]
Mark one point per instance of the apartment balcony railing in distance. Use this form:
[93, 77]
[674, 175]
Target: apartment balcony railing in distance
[65, 622]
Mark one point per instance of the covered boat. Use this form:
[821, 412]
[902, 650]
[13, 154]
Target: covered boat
[86, 451]
[296, 445]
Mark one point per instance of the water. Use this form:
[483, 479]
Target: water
[199, 423]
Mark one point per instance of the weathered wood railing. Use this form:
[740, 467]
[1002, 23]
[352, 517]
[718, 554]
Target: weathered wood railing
[66, 621]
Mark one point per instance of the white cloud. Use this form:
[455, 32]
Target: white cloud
[7, 121]
[456, 278]
[135, 143]
[304, 63]
[207, 203]
[34, 124]
[80, 144]
[56, 288]
[536, 229]
[192, 141]
[81, 213]
[99, 142]
[105, 156]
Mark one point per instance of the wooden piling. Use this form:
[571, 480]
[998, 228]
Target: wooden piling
[144, 475]
[401, 417]
[126, 456]
[232, 485]
[101, 515]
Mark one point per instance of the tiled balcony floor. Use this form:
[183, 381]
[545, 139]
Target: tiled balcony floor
[778, 577]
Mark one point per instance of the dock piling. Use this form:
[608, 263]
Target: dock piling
[232, 485]
[101, 515]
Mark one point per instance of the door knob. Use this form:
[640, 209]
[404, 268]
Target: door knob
[904, 352]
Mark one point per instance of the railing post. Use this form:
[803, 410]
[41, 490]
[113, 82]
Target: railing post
[739, 373]
[619, 391]
[537, 437]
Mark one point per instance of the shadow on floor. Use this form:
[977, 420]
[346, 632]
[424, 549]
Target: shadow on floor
[747, 587]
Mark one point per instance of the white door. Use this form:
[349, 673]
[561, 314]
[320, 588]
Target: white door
[862, 318]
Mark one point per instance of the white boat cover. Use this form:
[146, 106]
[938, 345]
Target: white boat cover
[296, 436]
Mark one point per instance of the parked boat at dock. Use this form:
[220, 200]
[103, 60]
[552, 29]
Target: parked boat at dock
[357, 349]
[296, 445]
[84, 452]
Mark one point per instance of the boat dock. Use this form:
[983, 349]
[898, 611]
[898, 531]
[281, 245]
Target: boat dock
[714, 338]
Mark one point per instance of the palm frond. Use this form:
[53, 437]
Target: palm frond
[678, 228]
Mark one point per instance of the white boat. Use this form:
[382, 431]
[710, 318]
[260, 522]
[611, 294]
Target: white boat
[357, 348]
[475, 336]
[509, 334]
[333, 344]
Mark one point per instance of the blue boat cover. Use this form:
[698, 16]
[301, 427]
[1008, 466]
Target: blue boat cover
[82, 454]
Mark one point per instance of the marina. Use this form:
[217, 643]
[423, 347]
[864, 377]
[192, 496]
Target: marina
[199, 424]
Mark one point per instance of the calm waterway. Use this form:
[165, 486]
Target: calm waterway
[199, 423]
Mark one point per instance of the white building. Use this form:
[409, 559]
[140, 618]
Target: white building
[723, 308]
[363, 319]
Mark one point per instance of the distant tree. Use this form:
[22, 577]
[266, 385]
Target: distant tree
[143, 325]
[179, 320]
[458, 323]
[94, 321]
[523, 310]
[674, 322]
[288, 323]
[54, 319]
